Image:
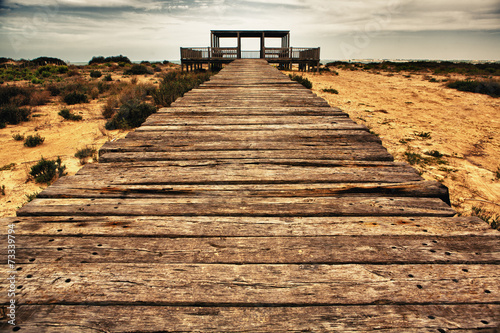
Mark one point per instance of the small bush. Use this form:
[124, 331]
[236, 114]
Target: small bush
[2, 125]
[331, 91]
[33, 140]
[433, 153]
[32, 196]
[303, 81]
[137, 70]
[486, 216]
[13, 115]
[75, 98]
[413, 158]
[497, 173]
[8, 167]
[131, 114]
[73, 72]
[85, 153]
[108, 110]
[54, 89]
[40, 98]
[66, 114]
[94, 93]
[95, 74]
[423, 135]
[107, 78]
[18, 137]
[45, 170]
[2, 190]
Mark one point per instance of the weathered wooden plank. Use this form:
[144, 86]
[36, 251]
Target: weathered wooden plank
[258, 155]
[241, 206]
[285, 135]
[228, 226]
[263, 284]
[260, 250]
[69, 189]
[222, 119]
[221, 172]
[236, 111]
[166, 144]
[376, 318]
[248, 127]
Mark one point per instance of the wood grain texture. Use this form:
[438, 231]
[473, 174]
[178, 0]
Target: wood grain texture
[372, 318]
[258, 284]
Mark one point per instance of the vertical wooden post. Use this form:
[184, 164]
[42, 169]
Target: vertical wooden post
[239, 47]
[263, 45]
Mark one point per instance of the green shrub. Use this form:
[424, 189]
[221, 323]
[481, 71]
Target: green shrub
[8, 167]
[413, 158]
[303, 81]
[2, 125]
[107, 78]
[18, 137]
[13, 115]
[75, 98]
[424, 135]
[66, 114]
[331, 91]
[488, 217]
[33, 140]
[95, 74]
[2, 190]
[85, 153]
[137, 70]
[434, 153]
[45, 170]
[62, 69]
[491, 88]
[32, 196]
[131, 114]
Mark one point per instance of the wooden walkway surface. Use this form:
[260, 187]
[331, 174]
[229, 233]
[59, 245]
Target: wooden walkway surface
[250, 205]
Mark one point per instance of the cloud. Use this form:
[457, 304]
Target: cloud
[84, 27]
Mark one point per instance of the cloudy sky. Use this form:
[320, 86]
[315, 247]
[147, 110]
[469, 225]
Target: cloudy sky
[76, 30]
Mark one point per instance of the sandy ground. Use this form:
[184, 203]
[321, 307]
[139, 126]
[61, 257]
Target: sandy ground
[62, 139]
[464, 127]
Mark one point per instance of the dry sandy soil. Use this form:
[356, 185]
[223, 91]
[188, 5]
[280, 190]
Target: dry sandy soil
[62, 139]
[464, 127]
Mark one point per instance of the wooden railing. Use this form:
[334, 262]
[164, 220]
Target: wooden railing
[287, 53]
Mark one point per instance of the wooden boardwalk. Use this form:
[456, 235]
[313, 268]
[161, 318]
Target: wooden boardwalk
[250, 205]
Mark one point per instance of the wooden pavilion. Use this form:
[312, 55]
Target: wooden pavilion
[215, 56]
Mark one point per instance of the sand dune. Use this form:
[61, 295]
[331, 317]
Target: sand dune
[463, 126]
